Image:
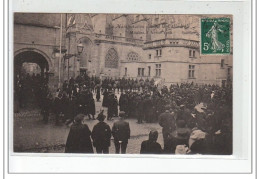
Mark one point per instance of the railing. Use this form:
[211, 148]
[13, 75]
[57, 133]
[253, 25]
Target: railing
[172, 42]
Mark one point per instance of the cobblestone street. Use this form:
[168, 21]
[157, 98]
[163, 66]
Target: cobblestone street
[33, 135]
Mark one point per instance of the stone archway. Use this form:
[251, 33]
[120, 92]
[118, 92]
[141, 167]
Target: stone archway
[30, 81]
[30, 56]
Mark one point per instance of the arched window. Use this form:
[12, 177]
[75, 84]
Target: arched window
[132, 56]
[111, 59]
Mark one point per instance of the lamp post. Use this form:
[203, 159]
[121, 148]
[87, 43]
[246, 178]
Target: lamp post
[57, 52]
[80, 48]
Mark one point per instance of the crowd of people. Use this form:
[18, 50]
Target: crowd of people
[194, 118]
[29, 89]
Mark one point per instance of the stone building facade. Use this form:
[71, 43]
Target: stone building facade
[163, 47]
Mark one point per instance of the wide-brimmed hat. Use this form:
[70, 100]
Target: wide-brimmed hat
[196, 135]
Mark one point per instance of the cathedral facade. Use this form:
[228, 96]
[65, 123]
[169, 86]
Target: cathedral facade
[163, 47]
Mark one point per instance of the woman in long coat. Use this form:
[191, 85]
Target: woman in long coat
[78, 140]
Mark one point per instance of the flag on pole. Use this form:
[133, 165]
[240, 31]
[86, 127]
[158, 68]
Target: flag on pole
[71, 20]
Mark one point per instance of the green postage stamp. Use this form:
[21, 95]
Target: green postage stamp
[215, 36]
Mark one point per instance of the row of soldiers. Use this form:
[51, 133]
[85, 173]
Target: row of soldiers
[109, 83]
[127, 84]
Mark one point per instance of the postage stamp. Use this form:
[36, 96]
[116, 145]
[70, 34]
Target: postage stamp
[215, 36]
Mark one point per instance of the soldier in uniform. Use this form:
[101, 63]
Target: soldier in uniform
[101, 135]
[121, 133]
[167, 122]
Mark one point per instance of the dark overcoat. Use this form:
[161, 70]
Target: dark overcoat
[167, 122]
[121, 131]
[78, 140]
[105, 99]
[150, 147]
[90, 104]
[123, 103]
[101, 135]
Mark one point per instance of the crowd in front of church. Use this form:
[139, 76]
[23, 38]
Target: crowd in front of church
[195, 119]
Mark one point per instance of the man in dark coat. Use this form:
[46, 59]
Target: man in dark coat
[167, 122]
[139, 109]
[98, 92]
[121, 133]
[105, 98]
[112, 107]
[46, 106]
[184, 114]
[180, 136]
[90, 105]
[81, 102]
[72, 110]
[148, 109]
[78, 140]
[123, 102]
[101, 135]
[150, 146]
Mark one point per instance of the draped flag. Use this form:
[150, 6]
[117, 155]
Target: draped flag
[71, 20]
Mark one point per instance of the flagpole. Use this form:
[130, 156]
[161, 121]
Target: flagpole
[60, 49]
[68, 46]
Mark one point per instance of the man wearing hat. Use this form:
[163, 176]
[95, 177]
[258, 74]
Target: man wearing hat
[101, 135]
[150, 146]
[167, 122]
[121, 133]
[78, 140]
[180, 136]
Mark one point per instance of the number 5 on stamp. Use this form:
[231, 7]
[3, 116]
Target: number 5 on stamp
[215, 36]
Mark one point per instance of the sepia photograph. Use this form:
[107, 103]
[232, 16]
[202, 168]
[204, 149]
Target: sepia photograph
[100, 83]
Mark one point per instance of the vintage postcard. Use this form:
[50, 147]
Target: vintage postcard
[123, 83]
